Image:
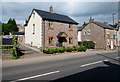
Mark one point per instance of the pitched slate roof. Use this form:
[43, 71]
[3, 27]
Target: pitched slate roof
[61, 34]
[105, 26]
[80, 28]
[18, 33]
[55, 17]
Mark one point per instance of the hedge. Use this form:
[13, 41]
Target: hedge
[87, 44]
[63, 49]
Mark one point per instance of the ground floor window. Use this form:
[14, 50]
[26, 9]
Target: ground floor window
[70, 40]
[50, 40]
[108, 42]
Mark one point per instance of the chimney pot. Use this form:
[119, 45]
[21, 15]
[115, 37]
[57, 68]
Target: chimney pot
[106, 23]
[91, 20]
[119, 22]
[51, 9]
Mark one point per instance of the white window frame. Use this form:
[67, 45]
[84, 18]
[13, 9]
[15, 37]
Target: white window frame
[88, 32]
[84, 32]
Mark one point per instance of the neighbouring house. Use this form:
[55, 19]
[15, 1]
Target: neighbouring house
[102, 34]
[20, 28]
[20, 36]
[118, 27]
[79, 33]
[48, 29]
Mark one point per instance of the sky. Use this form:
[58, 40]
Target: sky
[78, 11]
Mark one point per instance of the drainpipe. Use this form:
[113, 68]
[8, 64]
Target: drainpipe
[44, 34]
[104, 39]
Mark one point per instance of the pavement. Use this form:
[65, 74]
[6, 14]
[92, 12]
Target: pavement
[39, 57]
[97, 65]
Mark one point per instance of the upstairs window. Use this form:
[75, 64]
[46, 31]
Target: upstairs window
[33, 14]
[70, 27]
[51, 25]
[84, 32]
[33, 28]
[107, 32]
[88, 32]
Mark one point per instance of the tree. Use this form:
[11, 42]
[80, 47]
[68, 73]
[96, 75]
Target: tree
[0, 28]
[84, 23]
[11, 26]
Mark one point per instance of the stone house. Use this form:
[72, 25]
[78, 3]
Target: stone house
[118, 28]
[102, 34]
[20, 28]
[48, 29]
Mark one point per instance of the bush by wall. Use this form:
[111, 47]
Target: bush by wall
[63, 49]
[88, 44]
[6, 47]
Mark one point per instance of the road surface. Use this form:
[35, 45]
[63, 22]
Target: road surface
[94, 67]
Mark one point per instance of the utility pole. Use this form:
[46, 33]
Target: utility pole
[113, 17]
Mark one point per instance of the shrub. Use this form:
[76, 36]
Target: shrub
[7, 47]
[75, 48]
[81, 48]
[88, 44]
[49, 51]
[14, 53]
[69, 49]
[63, 49]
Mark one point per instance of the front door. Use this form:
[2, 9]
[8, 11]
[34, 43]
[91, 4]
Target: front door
[61, 40]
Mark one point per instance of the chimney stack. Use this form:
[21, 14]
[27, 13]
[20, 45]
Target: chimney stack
[118, 22]
[106, 23]
[51, 9]
[91, 20]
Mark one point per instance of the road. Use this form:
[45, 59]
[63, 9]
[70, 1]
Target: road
[95, 67]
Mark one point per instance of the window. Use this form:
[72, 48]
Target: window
[115, 42]
[108, 42]
[88, 32]
[70, 40]
[70, 27]
[33, 28]
[107, 32]
[33, 14]
[50, 40]
[84, 32]
[51, 25]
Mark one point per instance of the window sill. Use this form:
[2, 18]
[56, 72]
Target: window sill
[70, 29]
[70, 43]
[51, 44]
[52, 28]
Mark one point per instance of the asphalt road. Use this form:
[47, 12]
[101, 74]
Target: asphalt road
[94, 67]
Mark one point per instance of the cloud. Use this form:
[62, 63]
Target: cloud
[79, 11]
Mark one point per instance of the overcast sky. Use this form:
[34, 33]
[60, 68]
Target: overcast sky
[79, 11]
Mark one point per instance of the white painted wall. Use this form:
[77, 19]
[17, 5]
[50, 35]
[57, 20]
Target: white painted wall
[37, 37]
[79, 36]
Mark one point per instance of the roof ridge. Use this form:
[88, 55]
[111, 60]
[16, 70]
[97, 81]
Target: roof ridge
[55, 16]
[50, 12]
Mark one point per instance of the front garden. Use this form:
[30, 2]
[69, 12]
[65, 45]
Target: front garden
[63, 49]
[11, 51]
